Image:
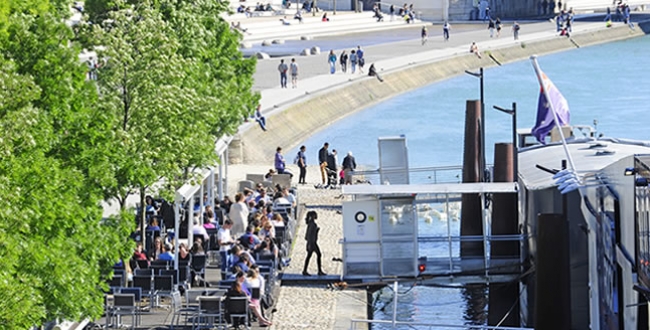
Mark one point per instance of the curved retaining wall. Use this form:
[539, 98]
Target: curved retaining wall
[304, 118]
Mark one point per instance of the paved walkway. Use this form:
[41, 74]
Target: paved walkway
[314, 76]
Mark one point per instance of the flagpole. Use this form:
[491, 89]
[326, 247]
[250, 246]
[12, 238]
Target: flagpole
[533, 59]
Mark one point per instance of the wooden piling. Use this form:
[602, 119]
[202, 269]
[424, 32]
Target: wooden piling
[471, 219]
[503, 308]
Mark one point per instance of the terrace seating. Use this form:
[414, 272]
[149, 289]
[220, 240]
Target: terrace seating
[123, 304]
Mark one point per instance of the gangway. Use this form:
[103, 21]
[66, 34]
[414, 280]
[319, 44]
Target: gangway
[389, 232]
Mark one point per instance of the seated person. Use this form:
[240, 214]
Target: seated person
[267, 230]
[262, 197]
[243, 262]
[298, 16]
[183, 253]
[324, 18]
[241, 9]
[235, 291]
[209, 219]
[277, 220]
[198, 230]
[268, 7]
[167, 255]
[249, 240]
[284, 21]
[255, 281]
[197, 248]
[153, 225]
[269, 176]
[474, 49]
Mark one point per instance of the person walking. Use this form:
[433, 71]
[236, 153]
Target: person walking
[331, 59]
[349, 165]
[343, 59]
[294, 73]
[311, 237]
[445, 30]
[424, 34]
[362, 60]
[283, 74]
[491, 27]
[322, 156]
[302, 164]
[515, 30]
[353, 60]
[498, 25]
[392, 12]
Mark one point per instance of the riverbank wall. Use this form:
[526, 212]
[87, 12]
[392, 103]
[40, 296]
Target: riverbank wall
[315, 112]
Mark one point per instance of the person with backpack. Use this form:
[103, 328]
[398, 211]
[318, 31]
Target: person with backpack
[301, 161]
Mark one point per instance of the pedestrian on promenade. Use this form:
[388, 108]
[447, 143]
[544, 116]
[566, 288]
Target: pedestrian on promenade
[445, 30]
[331, 59]
[283, 74]
[302, 164]
[497, 23]
[312, 243]
[343, 58]
[515, 30]
[491, 27]
[361, 59]
[392, 12]
[353, 60]
[322, 156]
[280, 164]
[424, 34]
[294, 73]
[349, 165]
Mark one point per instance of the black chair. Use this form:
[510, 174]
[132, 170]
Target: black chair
[169, 272]
[255, 293]
[144, 283]
[163, 286]
[116, 281]
[137, 294]
[123, 304]
[210, 310]
[238, 310]
[143, 272]
[198, 267]
[161, 264]
[142, 264]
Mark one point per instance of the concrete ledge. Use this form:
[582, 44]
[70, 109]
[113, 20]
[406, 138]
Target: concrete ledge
[300, 120]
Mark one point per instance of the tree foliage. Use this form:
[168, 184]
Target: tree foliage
[173, 81]
[54, 247]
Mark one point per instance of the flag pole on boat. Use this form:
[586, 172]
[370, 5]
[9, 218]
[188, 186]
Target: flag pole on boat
[545, 83]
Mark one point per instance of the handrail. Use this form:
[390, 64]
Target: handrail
[355, 322]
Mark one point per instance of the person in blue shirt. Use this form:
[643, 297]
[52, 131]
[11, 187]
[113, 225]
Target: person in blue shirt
[167, 255]
[249, 240]
[280, 164]
[361, 59]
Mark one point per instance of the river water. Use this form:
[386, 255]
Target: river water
[606, 83]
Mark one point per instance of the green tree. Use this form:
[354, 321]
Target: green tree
[54, 249]
[174, 81]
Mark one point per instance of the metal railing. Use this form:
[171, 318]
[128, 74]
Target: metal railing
[355, 323]
[438, 174]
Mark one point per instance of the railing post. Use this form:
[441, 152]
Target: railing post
[485, 247]
[451, 263]
[395, 305]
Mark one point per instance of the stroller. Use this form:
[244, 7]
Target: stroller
[332, 180]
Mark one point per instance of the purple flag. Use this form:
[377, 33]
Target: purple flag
[545, 121]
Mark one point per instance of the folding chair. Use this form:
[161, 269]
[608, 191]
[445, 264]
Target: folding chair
[137, 294]
[142, 264]
[143, 272]
[181, 311]
[163, 286]
[144, 283]
[123, 304]
[210, 311]
[198, 266]
[238, 310]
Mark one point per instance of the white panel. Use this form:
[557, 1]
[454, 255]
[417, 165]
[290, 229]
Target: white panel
[360, 230]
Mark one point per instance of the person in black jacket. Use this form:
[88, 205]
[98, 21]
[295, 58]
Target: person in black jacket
[322, 161]
[312, 243]
[349, 165]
